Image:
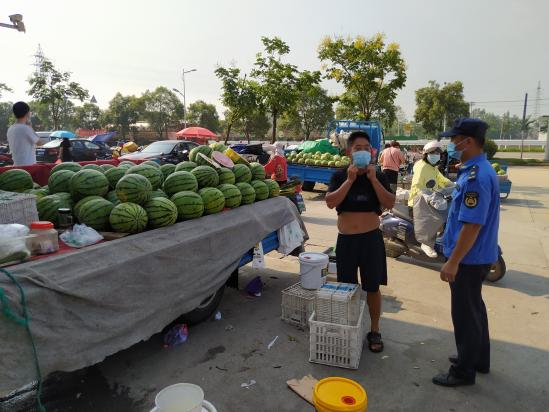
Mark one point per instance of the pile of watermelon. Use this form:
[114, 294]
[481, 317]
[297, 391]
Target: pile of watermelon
[131, 198]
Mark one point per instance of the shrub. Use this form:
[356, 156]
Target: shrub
[490, 148]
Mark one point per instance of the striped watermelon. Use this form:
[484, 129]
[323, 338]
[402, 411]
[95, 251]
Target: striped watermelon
[167, 169]
[154, 174]
[39, 193]
[112, 197]
[128, 217]
[179, 182]
[60, 181]
[151, 163]
[261, 190]
[46, 189]
[258, 171]
[189, 205]
[47, 208]
[206, 176]
[65, 199]
[186, 166]
[205, 150]
[36, 185]
[106, 167]
[248, 193]
[134, 188]
[233, 197]
[16, 180]
[214, 201]
[88, 182]
[218, 147]
[92, 166]
[95, 213]
[242, 173]
[73, 167]
[226, 176]
[274, 188]
[126, 164]
[161, 212]
[158, 193]
[114, 175]
[81, 202]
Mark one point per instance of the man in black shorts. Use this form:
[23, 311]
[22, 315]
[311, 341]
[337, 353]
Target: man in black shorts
[358, 193]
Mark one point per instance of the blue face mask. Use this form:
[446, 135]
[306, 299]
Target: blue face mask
[362, 158]
[433, 158]
[452, 152]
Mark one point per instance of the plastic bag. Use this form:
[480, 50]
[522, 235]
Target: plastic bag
[258, 261]
[320, 145]
[13, 245]
[290, 236]
[80, 236]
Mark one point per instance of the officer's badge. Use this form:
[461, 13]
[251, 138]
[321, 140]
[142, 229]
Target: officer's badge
[471, 199]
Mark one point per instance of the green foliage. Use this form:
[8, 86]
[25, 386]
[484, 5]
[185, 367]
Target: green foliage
[255, 124]
[6, 119]
[41, 119]
[371, 71]
[504, 126]
[435, 103]
[122, 112]
[204, 115]
[4, 88]
[88, 116]
[54, 88]
[162, 109]
[490, 148]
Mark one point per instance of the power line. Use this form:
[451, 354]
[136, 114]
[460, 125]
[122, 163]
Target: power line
[505, 101]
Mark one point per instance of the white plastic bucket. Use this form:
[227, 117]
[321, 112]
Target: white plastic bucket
[312, 267]
[181, 397]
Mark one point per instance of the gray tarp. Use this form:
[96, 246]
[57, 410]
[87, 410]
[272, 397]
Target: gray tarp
[90, 304]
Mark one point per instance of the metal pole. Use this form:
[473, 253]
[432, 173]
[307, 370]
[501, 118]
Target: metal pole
[523, 125]
[546, 158]
[184, 101]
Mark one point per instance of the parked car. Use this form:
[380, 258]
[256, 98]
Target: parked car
[170, 151]
[45, 137]
[81, 150]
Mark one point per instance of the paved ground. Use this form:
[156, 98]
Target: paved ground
[416, 326]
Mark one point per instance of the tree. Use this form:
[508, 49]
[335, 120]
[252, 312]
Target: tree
[4, 88]
[204, 115]
[54, 88]
[437, 107]
[371, 71]
[277, 80]
[240, 96]
[255, 123]
[162, 109]
[6, 119]
[122, 112]
[88, 116]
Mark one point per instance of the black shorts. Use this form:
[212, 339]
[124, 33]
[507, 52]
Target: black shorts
[365, 251]
[391, 176]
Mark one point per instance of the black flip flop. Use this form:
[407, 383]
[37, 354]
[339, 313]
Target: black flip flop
[374, 339]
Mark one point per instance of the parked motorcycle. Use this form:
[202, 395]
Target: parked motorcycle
[400, 240]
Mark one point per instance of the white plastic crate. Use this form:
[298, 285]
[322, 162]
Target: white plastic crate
[337, 345]
[17, 208]
[298, 304]
[338, 303]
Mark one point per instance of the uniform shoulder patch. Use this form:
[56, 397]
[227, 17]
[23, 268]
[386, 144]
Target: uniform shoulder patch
[471, 199]
[473, 173]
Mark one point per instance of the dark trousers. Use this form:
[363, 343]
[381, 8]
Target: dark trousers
[470, 321]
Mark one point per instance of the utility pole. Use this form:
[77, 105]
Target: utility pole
[546, 158]
[523, 125]
[183, 73]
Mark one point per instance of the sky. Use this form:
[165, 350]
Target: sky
[499, 49]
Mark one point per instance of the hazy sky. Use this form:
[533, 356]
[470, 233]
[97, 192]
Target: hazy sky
[498, 48]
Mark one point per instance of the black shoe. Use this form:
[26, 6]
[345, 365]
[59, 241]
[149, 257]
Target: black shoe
[449, 380]
[454, 360]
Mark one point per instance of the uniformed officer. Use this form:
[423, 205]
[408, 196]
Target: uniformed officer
[471, 247]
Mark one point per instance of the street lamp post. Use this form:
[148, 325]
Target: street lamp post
[183, 73]
[17, 23]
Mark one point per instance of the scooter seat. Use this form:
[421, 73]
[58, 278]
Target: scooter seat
[402, 212]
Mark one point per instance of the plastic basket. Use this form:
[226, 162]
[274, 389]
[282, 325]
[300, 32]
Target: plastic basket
[18, 208]
[338, 303]
[337, 345]
[298, 304]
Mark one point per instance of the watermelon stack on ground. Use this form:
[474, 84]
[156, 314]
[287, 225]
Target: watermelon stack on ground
[88, 182]
[274, 188]
[167, 169]
[128, 218]
[81, 202]
[185, 166]
[106, 166]
[152, 173]
[205, 176]
[161, 212]
[242, 173]
[73, 167]
[261, 190]
[179, 182]
[151, 163]
[134, 188]
[205, 150]
[258, 171]
[92, 166]
[16, 180]
[218, 147]
[226, 176]
[114, 175]
[232, 195]
[95, 213]
[126, 164]
[158, 193]
[189, 205]
[248, 193]
[112, 197]
[60, 181]
[214, 201]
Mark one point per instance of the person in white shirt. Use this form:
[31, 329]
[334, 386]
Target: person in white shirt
[21, 138]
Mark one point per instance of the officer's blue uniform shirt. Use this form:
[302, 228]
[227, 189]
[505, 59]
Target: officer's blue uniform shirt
[475, 200]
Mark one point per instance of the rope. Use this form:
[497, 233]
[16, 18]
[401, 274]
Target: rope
[23, 321]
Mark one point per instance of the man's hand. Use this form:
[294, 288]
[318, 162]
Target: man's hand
[351, 173]
[448, 272]
[371, 173]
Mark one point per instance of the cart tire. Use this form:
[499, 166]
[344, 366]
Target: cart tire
[308, 186]
[498, 270]
[205, 309]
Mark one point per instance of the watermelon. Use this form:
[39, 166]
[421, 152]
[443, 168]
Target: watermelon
[205, 176]
[218, 147]
[161, 212]
[95, 213]
[81, 202]
[233, 197]
[73, 167]
[214, 201]
[47, 208]
[46, 189]
[154, 174]
[189, 205]
[258, 171]
[274, 189]
[179, 182]
[151, 163]
[65, 200]
[36, 185]
[88, 182]
[185, 166]
[126, 164]
[158, 193]
[242, 174]
[248, 193]
[112, 197]
[114, 175]
[106, 167]
[261, 190]
[226, 176]
[39, 193]
[205, 150]
[60, 181]
[128, 217]
[134, 188]
[92, 166]
[167, 169]
[16, 180]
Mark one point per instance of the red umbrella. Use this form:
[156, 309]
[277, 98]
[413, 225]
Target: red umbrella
[198, 133]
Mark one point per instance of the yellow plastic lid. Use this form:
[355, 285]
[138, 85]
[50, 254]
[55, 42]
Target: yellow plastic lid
[340, 395]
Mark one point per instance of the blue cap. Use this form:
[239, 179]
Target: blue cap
[468, 126]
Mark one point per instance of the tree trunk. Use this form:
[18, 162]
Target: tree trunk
[275, 115]
[229, 125]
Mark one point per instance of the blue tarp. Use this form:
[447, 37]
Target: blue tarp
[105, 137]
